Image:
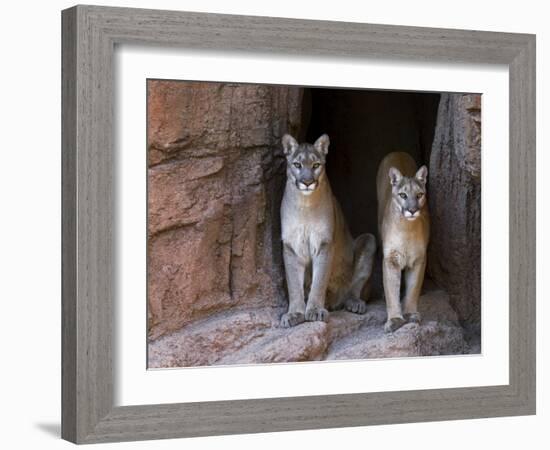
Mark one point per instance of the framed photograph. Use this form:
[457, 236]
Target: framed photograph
[265, 229]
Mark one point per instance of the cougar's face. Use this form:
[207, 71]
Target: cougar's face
[305, 162]
[305, 168]
[409, 194]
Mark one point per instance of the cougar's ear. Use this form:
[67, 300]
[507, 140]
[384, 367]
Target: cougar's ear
[322, 144]
[395, 176]
[289, 144]
[422, 174]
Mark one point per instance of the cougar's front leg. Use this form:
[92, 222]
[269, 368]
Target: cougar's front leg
[321, 262]
[414, 277]
[391, 274]
[294, 270]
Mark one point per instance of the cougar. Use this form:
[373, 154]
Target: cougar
[322, 261]
[404, 228]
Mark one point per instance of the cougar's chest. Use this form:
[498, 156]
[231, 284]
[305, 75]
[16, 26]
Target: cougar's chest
[305, 231]
[405, 245]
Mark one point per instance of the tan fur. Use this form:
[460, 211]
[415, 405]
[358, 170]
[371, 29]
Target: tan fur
[321, 258]
[404, 242]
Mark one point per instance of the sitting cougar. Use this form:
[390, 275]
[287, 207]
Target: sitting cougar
[404, 227]
[320, 256]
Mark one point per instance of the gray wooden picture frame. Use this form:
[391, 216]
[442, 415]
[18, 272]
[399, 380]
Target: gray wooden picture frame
[89, 37]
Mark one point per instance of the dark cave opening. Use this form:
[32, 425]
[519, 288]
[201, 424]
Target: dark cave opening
[364, 126]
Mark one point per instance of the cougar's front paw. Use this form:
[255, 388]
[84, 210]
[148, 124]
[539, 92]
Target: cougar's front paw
[355, 305]
[413, 317]
[291, 319]
[393, 324]
[315, 314]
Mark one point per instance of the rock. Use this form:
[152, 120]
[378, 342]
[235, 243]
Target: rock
[198, 119]
[214, 177]
[454, 194]
[188, 274]
[194, 193]
[207, 341]
[254, 336]
[306, 342]
[439, 333]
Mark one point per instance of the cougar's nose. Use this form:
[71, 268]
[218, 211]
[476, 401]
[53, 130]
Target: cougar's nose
[413, 210]
[307, 182]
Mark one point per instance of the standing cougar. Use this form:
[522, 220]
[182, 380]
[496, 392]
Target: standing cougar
[404, 227]
[320, 256]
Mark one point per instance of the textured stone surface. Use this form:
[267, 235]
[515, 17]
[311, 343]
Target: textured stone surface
[206, 341]
[215, 171]
[253, 335]
[454, 259]
[438, 334]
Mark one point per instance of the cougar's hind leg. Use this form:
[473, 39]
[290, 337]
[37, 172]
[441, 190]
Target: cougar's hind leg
[364, 251]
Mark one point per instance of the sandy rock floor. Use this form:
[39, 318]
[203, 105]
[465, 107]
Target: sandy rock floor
[253, 336]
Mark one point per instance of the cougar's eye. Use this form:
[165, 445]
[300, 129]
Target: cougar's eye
[403, 195]
[297, 165]
[419, 195]
[316, 165]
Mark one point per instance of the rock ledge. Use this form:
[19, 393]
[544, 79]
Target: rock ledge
[253, 336]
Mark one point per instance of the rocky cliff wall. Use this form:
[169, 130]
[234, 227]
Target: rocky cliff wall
[454, 259]
[215, 171]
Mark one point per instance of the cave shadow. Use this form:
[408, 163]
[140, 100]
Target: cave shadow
[364, 126]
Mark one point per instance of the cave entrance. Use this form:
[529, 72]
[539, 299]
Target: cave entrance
[364, 126]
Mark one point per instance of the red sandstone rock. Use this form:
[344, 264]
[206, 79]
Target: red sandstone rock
[253, 336]
[214, 160]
